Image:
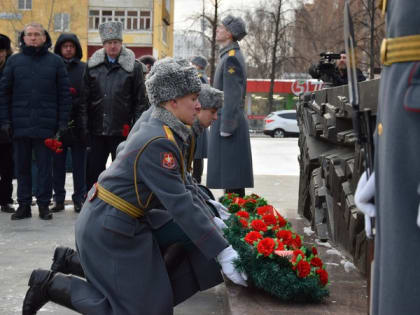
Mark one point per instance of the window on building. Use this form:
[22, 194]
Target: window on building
[132, 20]
[25, 4]
[62, 22]
[94, 18]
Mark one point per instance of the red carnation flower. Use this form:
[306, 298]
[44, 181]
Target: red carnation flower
[242, 214]
[296, 253]
[284, 235]
[265, 210]
[281, 220]
[296, 242]
[244, 223]
[126, 130]
[323, 276]
[303, 268]
[266, 246]
[48, 142]
[314, 250]
[316, 262]
[280, 246]
[253, 236]
[269, 219]
[251, 200]
[259, 225]
[239, 201]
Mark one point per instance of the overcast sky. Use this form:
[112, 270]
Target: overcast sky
[187, 8]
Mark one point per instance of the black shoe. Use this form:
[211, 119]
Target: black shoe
[37, 295]
[77, 206]
[44, 213]
[22, 212]
[7, 208]
[58, 206]
[66, 260]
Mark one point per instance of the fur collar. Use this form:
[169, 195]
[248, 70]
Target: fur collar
[126, 59]
[172, 122]
[197, 128]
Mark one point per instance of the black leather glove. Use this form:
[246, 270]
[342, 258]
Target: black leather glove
[5, 133]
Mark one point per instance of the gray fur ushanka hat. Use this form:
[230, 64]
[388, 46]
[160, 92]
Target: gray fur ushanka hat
[110, 31]
[169, 79]
[236, 26]
[199, 61]
[210, 97]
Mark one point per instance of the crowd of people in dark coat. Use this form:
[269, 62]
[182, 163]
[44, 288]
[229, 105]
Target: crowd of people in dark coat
[89, 108]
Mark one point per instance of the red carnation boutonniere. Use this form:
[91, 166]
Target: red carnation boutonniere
[126, 130]
[54, 145]
[73, 91]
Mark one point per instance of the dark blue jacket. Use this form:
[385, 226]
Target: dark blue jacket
[34, 92]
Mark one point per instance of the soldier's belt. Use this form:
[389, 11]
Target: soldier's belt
[400, 49]
[118, 202]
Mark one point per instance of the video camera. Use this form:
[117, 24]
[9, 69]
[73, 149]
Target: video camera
[326, 69]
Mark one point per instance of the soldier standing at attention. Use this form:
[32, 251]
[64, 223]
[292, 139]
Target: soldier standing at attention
[139, 207]
[396, 180]
[229, 156]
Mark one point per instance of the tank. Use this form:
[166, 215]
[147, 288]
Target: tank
[331, 162]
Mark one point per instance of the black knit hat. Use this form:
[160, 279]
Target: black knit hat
[4, 42]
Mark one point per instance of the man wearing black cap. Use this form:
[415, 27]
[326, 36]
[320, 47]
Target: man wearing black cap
[229, 156]
[69, 49]
[6, 156]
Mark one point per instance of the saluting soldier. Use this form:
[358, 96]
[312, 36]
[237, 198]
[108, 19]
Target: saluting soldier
[229, 157]
[140, 206]
[396, 275]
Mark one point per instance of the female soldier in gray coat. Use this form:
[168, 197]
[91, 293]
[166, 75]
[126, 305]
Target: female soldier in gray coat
[139, 206]
[229, 156]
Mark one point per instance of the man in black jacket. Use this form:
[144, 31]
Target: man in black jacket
[6, 149]
[69, 49]
[113, 96]
[34, 104]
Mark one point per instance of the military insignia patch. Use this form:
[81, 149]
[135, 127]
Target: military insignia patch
[168, 160]
[231, 70]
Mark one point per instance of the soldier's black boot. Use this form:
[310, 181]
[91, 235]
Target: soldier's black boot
[22, 212]
[45, 286]
[44, 213]
[66, 260]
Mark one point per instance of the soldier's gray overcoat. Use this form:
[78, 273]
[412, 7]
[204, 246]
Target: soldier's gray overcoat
[229, 158]
[119, 255]
[397, 257]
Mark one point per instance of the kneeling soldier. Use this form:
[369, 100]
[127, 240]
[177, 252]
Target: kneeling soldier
[140, 206]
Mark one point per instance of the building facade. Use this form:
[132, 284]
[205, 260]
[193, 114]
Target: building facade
[148, 24]
[56, 16]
